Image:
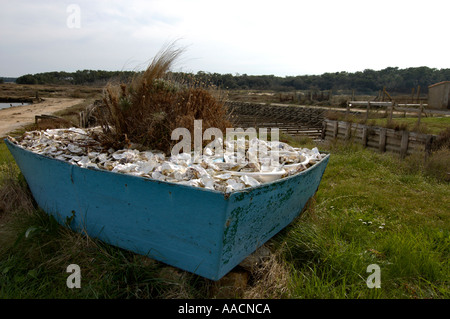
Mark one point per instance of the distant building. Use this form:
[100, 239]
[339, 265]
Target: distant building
[439, 95]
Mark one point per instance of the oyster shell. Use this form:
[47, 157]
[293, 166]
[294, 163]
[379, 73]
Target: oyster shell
[243, 163]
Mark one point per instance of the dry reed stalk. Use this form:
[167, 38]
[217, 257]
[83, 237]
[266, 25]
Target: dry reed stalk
[147, 110]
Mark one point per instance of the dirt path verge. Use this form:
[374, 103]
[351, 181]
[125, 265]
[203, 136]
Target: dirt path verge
[15, 117]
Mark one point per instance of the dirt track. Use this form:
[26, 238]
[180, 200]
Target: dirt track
[15, 117]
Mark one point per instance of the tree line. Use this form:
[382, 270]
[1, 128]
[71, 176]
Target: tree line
[78, 78]
[393, 79]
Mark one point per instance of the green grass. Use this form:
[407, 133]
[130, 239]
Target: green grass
[361, 191]
[429, 125]
[5, 155]
[370, 208]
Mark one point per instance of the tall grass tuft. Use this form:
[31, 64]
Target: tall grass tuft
[14, 193]
[438, 164]
[147, 110]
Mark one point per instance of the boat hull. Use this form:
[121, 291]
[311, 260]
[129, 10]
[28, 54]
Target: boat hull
[202, 231]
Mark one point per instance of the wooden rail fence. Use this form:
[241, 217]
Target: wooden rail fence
[393, 107]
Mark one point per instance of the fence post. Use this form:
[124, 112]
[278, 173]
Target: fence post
[404, 143]
[382, 144]
[348, 131]
[391, 112]
[364, 135]
[336, 128]
[420, 114]
[324, 128]
[367, 113]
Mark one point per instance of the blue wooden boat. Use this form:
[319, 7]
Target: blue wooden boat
[202, 231]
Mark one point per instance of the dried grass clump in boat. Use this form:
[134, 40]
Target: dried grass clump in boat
[147, 110]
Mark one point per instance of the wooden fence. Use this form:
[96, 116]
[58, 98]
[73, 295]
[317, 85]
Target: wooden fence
[378, 138]
[392, 108]
[292, 120]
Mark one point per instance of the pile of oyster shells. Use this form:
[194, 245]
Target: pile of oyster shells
[232, 170]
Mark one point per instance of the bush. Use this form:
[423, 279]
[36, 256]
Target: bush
[26, 79]
[442, 141]
[147, 110]
[397, 126]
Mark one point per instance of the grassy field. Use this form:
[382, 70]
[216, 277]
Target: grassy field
[370, 209]
[13, 90]
[429, 125]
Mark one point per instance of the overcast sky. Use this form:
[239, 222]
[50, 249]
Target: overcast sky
[278, 37]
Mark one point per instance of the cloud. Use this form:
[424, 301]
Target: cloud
[285, 37]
